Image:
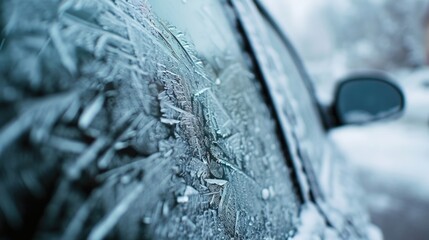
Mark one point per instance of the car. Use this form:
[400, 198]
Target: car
[171, 119]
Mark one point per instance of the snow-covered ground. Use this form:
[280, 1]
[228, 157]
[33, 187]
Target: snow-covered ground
[396, 151]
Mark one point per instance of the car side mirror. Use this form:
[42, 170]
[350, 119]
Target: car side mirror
[366, 98]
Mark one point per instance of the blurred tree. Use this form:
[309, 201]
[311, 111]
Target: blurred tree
[381, 34]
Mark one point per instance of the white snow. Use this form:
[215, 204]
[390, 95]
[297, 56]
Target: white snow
[313, 225]
[397, 151]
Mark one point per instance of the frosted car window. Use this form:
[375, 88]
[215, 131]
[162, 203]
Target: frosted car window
[240, 132]
[125, 122]
[202, 23]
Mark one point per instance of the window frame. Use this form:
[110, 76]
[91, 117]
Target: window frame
[308, 183]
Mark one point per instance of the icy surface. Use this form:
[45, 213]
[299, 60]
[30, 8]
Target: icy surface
[313, 225]
[116, 126]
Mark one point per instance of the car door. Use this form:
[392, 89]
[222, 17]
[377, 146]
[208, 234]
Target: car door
[327, 182]
[130, 119]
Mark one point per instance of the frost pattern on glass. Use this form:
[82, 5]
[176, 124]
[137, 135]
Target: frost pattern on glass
[111, 126]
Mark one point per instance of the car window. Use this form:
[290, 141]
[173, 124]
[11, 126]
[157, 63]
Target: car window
[241, 131]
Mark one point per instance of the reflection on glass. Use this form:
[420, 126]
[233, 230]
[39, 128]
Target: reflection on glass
[365, 100]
